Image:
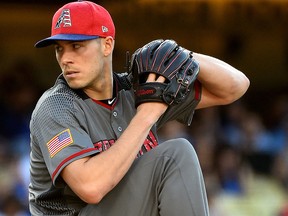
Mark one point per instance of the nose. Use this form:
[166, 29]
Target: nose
[66, 57]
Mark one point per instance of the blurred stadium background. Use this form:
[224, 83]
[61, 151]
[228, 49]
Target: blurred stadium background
[243, 147]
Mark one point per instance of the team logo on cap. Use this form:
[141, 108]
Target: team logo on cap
[64, 19]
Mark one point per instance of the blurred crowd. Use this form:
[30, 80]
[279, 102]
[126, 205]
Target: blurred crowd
[244, 156]
[243, 151]
[19, 91]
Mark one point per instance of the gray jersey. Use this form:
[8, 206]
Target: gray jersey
[67, 125]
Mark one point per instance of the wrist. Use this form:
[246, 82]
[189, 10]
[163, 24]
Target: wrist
[150, 112]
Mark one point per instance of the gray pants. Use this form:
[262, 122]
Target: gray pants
[166, 181]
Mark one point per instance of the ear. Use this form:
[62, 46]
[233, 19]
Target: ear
[108, 45]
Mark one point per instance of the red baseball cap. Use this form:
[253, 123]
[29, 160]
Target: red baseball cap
[79, 21]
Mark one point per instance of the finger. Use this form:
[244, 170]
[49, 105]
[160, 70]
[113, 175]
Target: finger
[161, 79]
[151, 77]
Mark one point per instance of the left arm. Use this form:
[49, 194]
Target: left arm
[221, 83]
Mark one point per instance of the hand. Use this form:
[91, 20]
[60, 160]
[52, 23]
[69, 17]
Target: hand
[153, 109]
[152, 77]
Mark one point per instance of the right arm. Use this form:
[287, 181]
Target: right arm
[92, 182]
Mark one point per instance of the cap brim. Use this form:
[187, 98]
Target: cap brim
[68, 37]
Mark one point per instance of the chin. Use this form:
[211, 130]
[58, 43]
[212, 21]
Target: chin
[75, 86]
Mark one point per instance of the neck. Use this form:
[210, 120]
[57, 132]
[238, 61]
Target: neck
[103, 90]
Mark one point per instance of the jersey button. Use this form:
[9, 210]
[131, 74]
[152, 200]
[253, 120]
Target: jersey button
[119, 129]
[115, 114]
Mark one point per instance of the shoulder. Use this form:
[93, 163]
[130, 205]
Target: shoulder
[58, 99]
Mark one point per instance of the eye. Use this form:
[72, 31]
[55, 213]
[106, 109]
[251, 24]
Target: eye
[76, 45]
[58, 48]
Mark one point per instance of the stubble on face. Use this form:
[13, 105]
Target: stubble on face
[81, 63]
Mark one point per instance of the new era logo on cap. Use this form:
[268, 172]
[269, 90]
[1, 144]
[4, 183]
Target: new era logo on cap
[104, 29]
[82, 20]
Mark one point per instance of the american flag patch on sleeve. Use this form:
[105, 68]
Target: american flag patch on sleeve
[59, 142]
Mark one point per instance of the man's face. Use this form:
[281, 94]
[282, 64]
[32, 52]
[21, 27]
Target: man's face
[81, 62]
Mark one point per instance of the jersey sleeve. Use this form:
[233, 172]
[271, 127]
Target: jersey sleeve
[183, 112]
[58, 127]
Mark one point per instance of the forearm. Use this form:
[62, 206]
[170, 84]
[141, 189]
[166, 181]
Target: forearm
[121, 155]
[92, 178]
[221, 83]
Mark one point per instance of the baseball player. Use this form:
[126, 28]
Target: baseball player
[94, 145]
